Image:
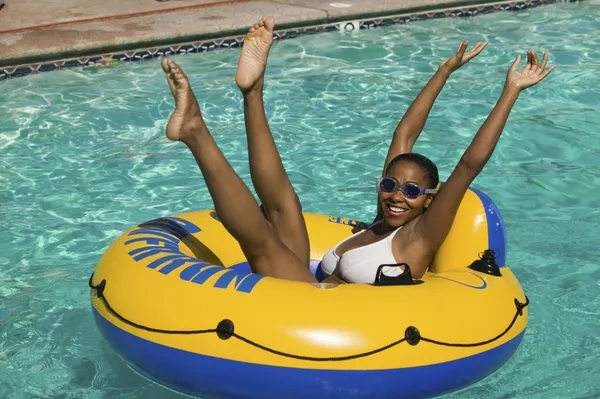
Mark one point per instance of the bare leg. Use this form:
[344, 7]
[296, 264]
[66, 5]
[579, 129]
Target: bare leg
[233, 201]
[269, 177]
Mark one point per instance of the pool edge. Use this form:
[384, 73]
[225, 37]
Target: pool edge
[193, 44]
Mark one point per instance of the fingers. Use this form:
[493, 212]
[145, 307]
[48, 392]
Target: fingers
[482, 45]
[461, 48]
[537, 71]
[544, 61]
[547, 72]
[540, 68]
[479, 47]
[515, 64]
[534, 59]
[476, 50]
[527, 67]
[533, 63]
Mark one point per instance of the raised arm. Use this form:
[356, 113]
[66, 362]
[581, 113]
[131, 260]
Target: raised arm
[413, 121]
[434, 225]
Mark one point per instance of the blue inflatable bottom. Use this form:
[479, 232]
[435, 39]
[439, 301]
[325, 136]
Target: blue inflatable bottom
[211, 377]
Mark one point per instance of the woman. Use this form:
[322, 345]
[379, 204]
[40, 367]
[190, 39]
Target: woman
[275, 242]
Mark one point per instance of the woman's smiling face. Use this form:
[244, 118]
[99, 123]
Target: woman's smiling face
[397, 208]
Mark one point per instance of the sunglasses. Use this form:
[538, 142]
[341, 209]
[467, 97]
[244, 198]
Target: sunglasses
[410, 190]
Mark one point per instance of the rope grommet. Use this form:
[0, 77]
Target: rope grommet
[225, 329]
[412, 335]
[100, 288]
[519, 306]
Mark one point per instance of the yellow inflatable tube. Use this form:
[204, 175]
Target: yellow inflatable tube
[176, 299]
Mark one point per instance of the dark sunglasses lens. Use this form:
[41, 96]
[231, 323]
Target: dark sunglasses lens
[387, 185]
[411, 190]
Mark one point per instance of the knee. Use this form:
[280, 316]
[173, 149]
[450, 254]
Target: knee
[286, 204]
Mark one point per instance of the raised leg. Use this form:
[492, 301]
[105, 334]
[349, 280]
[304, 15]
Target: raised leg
[280, 202]
[233, 201]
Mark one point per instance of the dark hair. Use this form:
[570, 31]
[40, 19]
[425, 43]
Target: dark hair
[425, 163]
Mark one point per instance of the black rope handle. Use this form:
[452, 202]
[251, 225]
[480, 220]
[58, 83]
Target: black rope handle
[100, 293]
[225, 330]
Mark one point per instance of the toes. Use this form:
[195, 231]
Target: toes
[269, 23]
[176, 70]
[266, 22]
[176, 74]
[169, 66]
[164, 64]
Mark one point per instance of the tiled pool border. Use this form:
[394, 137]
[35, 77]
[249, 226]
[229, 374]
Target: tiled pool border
[229, 42]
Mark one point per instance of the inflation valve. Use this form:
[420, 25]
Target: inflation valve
[486, 263]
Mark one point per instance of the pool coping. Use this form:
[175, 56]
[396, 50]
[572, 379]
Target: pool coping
[108, 56]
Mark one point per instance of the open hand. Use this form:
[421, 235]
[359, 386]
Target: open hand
[531, 74]
[460, 58]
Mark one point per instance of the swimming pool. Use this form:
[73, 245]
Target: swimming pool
[84, 157]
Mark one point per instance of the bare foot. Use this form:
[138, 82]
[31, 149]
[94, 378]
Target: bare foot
[186, 119]
[255, 51]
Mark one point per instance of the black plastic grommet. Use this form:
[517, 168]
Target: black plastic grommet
[100, 288]
[519, 306]
[412, 335]
[225, 329]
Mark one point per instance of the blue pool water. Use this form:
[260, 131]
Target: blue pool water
[84, 158]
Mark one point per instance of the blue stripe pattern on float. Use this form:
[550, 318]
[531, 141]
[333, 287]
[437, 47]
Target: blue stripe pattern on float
[197, 374]
[496, 227]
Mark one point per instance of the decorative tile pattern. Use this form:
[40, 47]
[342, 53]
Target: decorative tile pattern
[230, 42]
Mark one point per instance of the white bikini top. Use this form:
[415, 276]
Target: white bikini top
[359, 265]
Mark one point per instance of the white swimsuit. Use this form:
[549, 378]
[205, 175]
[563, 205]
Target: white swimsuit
[359, 265]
